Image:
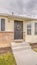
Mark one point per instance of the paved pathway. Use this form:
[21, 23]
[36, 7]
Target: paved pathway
[23, 53]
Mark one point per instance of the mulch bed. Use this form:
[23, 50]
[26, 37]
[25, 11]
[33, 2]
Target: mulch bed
[5, 50]
[33, 45]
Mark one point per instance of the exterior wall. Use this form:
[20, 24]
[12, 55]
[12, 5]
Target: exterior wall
[7, 36]
[31, 38]
[9, 26]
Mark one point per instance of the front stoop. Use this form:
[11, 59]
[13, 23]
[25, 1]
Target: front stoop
[20, 46]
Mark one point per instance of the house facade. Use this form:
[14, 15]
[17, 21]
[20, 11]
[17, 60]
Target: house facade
[16, 28]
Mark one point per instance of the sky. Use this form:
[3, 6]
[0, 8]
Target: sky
[19, 7]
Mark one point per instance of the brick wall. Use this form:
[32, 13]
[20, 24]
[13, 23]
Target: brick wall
[6, 38]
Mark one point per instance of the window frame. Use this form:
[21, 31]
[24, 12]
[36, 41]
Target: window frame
[2, 30]
[29, 28]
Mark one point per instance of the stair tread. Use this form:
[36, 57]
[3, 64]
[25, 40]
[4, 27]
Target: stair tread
[20, 46]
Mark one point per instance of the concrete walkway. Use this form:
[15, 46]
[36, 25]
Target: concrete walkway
[23, 53]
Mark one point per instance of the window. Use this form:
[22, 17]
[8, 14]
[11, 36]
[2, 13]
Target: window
[35, 28]
[29, 29]
[2, 24]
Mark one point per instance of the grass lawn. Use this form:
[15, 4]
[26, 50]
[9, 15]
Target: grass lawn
[7, 59]
[35, 49]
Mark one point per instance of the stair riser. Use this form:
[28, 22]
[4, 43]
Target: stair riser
[20, 46]
[21, 49]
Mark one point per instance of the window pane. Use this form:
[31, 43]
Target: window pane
[2, 24]
[29, 29]
[35, 28]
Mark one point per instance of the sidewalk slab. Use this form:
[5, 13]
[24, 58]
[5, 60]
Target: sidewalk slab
[25, 56]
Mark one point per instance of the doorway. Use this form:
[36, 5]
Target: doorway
[18, 29]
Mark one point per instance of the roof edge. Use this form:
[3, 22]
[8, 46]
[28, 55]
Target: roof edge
[18, 16]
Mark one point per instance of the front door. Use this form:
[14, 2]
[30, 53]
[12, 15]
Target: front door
[18, 29]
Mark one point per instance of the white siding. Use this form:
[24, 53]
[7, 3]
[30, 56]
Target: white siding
[31, 38]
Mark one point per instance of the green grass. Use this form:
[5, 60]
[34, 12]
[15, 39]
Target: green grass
[35, 49]
[7, 59]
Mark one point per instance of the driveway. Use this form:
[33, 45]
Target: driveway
[23, 54]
